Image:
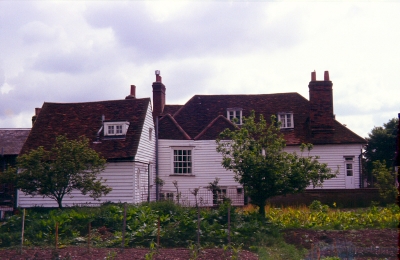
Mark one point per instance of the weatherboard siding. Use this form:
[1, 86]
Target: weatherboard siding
[120, 177]
[145, 158]
[207, 165]
[146, 147]
[333, 156]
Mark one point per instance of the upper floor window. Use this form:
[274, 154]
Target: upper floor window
[286, 120]
[182, 161]
[235, 115]
[115, 128]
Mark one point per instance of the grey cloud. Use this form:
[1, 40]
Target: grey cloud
[74, 62]
[210, 29]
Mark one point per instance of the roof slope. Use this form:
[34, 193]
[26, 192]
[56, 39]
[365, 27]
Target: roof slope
[198, 113]
[84, 119]
[12, 140]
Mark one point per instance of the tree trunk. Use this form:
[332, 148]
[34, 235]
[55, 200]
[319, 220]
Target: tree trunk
[261, 210]
[59, 201]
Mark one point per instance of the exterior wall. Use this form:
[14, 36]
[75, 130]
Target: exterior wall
[207, 166]
[334, 155]
[119, 176]
[145, 159]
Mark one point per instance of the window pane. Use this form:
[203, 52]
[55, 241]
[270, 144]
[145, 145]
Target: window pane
[182, 161]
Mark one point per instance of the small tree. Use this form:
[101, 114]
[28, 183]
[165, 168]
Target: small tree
[255, 154]
[215, 189]
[385, 181]
[69, 165]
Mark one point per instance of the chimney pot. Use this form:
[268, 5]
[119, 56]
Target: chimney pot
[313, 76]
[326, 76]
[133, 93]
[37, 111]
[158, 77]
[133, 90]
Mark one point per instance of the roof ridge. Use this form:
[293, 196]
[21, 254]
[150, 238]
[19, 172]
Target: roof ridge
[99, 101]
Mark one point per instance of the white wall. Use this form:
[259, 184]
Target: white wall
[119, 176]
[333, 155]
[206, 167]
[207, 164]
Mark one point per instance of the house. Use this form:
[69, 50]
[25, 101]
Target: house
[122, 131]
[186, 149]
[11, 141]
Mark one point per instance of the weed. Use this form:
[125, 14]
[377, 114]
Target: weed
[111, 255]
[153, 251]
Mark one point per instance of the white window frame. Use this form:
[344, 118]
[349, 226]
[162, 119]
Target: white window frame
[175, 169]
[286, 119]
[234, 112]
[348, 165]
[119, 128]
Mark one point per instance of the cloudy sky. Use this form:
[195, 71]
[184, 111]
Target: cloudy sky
[88, 51]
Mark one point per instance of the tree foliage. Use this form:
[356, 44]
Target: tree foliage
[254, 152]
[382, 144]
[69, 165]
[385, 181]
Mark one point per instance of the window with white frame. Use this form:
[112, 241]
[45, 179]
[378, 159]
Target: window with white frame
[235, 115]
[349, 161]
[286, 119]
[115, 128]
[182, 161]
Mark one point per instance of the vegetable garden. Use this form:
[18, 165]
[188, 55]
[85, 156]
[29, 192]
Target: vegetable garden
[166, 225]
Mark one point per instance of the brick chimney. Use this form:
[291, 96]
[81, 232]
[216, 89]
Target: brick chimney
[37, 111]
[133, 93]
[321, 107]
[158, 95]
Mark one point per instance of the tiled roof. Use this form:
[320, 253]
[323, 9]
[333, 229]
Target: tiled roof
[171, 129]
[84, 119]
[219, 124]
[12, 140]
[198, 113]
[171, 109]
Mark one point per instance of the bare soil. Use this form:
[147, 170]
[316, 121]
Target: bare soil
[116, 253]
[372, 244]
[350, 244]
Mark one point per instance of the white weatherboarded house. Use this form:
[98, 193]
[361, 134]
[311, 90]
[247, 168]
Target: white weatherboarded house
[122, 131]
[187, 149]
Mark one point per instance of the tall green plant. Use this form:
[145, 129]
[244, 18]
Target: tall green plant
[385, 181]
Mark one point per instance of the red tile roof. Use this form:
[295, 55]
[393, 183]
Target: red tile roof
[196, 116]
[84, 119]
[12, 140]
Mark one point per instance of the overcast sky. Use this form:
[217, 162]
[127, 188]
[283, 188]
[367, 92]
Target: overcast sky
[90, 51]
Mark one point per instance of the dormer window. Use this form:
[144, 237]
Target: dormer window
[115, 128]
[235, 115]
[286, 119]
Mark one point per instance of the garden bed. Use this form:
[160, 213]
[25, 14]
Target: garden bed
[348, 244]
[117, 253]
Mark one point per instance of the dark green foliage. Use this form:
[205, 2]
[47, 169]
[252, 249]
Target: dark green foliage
[385, 181]
[381, 146]
[178, 226]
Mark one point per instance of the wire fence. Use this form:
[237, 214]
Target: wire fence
[205, 197]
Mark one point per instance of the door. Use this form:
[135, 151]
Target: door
[349, 172]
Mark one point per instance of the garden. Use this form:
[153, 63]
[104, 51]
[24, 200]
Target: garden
[164, 230]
